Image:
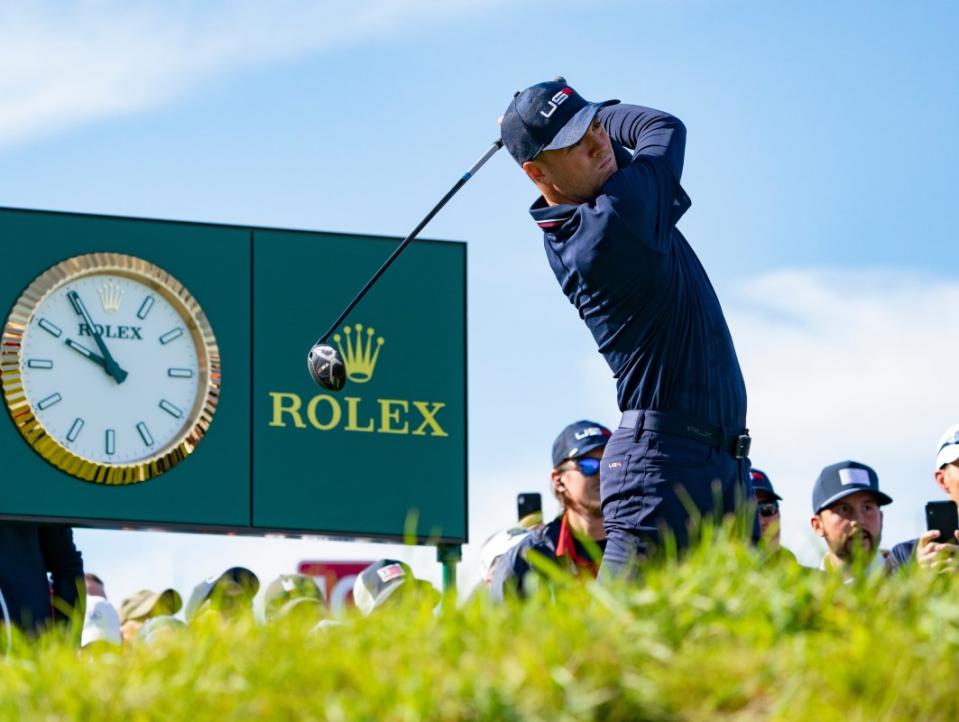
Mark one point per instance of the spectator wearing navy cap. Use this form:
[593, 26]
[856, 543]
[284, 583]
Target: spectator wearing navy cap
[846, 503]
[926, 550]
[767, 507]
[575, 482]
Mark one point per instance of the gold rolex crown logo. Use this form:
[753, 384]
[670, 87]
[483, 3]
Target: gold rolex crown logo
[110, 296]
[358, 352]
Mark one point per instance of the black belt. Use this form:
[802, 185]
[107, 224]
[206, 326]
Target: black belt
[690, 428]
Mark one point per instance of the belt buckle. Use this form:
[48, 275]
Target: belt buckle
[741, 447]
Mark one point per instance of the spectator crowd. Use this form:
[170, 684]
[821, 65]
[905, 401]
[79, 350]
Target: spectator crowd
[43, 583]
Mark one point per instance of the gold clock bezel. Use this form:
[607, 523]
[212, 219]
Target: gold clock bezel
[22, 413]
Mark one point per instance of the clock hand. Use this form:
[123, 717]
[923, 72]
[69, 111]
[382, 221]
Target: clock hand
[84, 351]
[110, 365]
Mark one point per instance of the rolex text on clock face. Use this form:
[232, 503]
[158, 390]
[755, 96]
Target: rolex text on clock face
[117, 367]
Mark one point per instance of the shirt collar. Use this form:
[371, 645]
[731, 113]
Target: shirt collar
[548, 217]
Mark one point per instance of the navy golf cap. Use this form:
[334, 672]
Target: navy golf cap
[840, 480]
[577, 439]
[761, 482]
[546, 116]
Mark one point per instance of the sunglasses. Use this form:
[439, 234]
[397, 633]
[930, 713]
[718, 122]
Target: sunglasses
[588, 466]
[768, 508]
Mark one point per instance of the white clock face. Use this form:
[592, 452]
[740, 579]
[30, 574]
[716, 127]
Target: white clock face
[111, 368]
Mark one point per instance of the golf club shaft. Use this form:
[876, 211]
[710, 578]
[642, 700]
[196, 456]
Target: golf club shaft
[399, 249]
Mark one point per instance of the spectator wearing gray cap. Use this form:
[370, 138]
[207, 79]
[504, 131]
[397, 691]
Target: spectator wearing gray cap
[575, 482]
[384, 583]
[230, 594]
[294, 596]
[846, 503]
[926, 550]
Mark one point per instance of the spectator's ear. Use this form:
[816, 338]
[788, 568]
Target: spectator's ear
[559, 488]
[816, 523]
[941, 480]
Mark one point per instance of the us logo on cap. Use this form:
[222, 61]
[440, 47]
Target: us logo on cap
[391, 571]
[854, 477]
[556, 101]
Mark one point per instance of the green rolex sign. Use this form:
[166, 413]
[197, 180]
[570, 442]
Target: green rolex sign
[155, 375]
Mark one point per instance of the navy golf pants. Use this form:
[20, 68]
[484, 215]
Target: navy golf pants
[647, 480]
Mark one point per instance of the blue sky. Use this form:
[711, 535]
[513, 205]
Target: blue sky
[821, 160]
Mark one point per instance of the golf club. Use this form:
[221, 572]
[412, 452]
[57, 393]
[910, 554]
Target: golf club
[326, 364]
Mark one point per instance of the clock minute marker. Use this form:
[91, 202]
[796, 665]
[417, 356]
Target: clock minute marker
[172, 334]
[171, 409]
[49, 401]
[145, 307]
[75, 429]
[145, 434]
[50, 328]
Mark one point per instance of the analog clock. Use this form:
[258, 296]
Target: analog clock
[111, 371]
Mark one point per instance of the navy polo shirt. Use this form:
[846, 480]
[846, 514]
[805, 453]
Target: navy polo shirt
[637, 283]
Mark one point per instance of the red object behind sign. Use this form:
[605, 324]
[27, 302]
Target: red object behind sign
[335, 579]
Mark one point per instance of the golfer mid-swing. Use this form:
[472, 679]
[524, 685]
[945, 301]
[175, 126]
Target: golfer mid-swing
[609, 216]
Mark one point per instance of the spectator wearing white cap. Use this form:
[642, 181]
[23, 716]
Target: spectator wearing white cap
[496, 546]
[101, 625]
[926, 550]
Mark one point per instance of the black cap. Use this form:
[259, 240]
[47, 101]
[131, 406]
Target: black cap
[546, 116]
[578, 439]
[761, 482]
[840, 480]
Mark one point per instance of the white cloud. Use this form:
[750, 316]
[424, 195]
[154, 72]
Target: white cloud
[851, 364]
[67, 64]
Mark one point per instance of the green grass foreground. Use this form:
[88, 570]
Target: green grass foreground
[721, 636]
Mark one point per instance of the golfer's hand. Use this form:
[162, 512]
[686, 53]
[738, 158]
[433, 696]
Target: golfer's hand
[936, 556]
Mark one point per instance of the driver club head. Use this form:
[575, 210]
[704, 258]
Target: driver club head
[327, 367]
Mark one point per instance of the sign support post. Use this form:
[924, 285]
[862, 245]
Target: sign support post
[449, 555]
